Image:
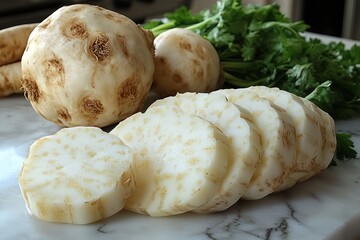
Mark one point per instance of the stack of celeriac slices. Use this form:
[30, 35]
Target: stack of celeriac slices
[198, 152]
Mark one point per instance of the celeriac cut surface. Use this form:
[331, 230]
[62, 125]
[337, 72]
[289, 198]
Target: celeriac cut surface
[278, 139]
[78, 175]
[308, 134]
[244, 139]
[180, 160]
[194, 152]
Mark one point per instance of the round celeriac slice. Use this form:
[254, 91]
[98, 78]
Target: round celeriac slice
[245, 144]
[78, 175]
[180, 160]
[308, 135]
[278, 140]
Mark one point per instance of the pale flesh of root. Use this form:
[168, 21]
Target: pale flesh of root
[13, 41]
[328, 135]
[180, 160]
[278, 139]
[10, 79]
[308, 135]
[245, 145]
[79, 175]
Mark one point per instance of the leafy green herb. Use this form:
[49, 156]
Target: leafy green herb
[258, 45]
[344, 148]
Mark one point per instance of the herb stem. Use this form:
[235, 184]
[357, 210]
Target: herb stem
[162, 28]
[199, 25]
[237, 65]
[238, 82]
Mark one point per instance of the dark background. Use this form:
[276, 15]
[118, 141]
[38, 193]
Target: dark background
[14, 12]
[323, 16]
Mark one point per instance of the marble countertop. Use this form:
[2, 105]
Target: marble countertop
[324, 207]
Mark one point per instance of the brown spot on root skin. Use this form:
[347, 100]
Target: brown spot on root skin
[100, 48]
[200, 52]
[110, 16]
[129, 88]
[176, 78]
[164, 70]
[198, 71]
[181, 88]
[63, 114]
[74, 28]
[54, 71]
[121, 41]
[3, 45]
[91, 107]
[100, 8]
[31, 90]
[118, 18]
[185, 45]
[77, 8]
[79, 30]
[149, 38]
[161, 60]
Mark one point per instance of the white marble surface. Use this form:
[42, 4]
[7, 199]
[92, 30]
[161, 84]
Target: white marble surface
[325, 207]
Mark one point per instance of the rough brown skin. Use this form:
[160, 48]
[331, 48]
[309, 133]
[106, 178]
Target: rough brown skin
[30, 87]
[13, 42]
[99, 48]
[92, 107]
[87, 66]
[10, 79]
